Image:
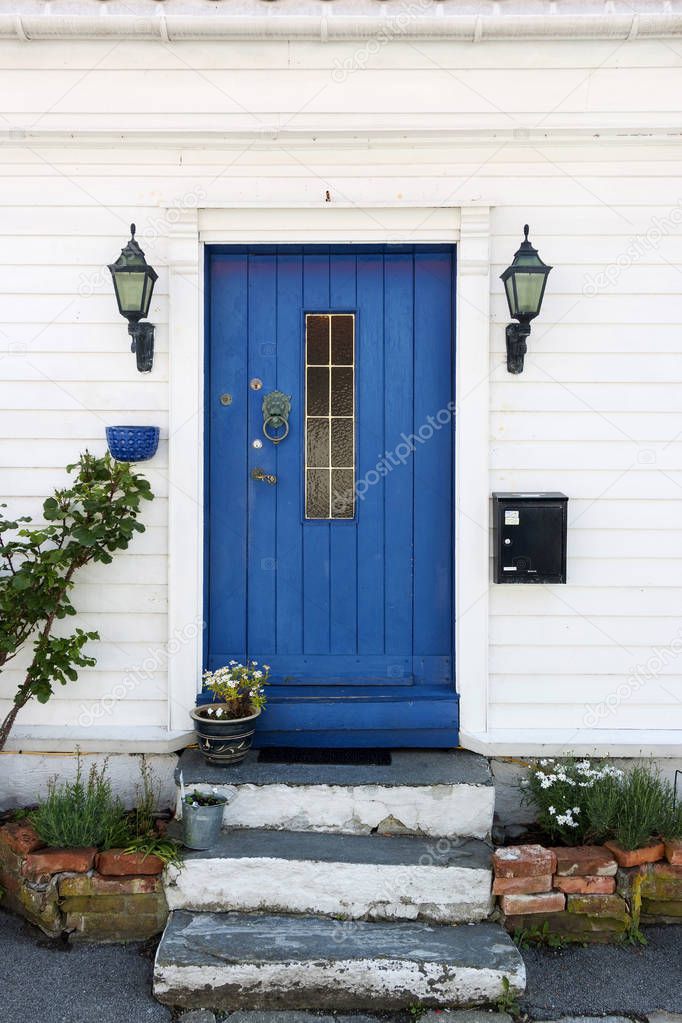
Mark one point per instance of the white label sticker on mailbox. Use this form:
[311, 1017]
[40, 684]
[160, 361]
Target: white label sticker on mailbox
[511, 518]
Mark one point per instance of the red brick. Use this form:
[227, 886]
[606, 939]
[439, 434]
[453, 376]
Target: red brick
[522, 885]
[119, 863]
[569, 926]
[521, 905]
[673, 851]
[661, 881]
[612, 906]
[57, 861]
[94, 884]
[523, 861]
[585, 860]
[588, 885]
[21, 837]
[634, 857]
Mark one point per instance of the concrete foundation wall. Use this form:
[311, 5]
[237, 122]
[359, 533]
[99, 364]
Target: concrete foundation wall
[24, 776]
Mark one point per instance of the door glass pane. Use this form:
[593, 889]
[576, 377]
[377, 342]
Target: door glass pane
[318, 340]
[330, 416]
[317, 398]
[342, 391]
[317, 494]
[342, 340]
[318, 442]
[342, 443]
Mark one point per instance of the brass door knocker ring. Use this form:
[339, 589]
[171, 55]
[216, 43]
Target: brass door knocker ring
[276, 409]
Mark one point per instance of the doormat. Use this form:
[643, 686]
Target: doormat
[356, 757]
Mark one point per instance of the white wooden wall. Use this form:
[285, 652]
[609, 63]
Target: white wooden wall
[578, 139]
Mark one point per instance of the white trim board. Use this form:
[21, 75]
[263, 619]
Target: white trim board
[467, 226]
[330, 223]
[562, 742]
[71, 739]
[33, 23]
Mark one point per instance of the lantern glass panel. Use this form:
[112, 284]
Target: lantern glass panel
[149, 282]
[511, 294]
[528, 293]
[130, 291]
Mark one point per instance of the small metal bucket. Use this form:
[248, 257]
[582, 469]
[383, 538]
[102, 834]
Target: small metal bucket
[201, 825]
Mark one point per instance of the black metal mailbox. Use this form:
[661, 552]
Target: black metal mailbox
[530, 537]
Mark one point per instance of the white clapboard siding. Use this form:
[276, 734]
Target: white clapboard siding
[597, 413]
[144, 682]
[586, 425]
[665, 690]
[625, 714]
[93, 713]
[549, 661]
[586, 630]
[140, 598]
[119, 627]
[540, 602]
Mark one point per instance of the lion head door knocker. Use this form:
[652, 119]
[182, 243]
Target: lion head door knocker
[276, 409]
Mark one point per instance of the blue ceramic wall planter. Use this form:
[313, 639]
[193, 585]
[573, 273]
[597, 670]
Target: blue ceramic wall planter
[132, 443]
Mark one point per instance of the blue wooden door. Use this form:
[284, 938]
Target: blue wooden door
[339, 575]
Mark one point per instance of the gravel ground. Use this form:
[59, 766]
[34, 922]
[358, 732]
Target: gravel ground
[45, 982]
[622, 980]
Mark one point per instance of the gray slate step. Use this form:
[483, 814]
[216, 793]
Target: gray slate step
[407, 767]
[232, 961]
[422, 792]
[354, 876]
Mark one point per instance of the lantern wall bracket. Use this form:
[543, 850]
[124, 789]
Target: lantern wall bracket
[142, 343]
[516, 346]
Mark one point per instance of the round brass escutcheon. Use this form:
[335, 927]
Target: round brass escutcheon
[256, 384]
[225, 399]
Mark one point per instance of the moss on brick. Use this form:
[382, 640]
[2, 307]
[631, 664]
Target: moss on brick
[611, 907]
[95, 885]
[569, 926]
[128, 904]
[664, 910]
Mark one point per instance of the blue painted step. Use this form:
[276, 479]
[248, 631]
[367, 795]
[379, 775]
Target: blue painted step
[347, 716]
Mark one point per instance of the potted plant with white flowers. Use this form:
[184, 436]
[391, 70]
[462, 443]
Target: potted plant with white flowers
[225, 726]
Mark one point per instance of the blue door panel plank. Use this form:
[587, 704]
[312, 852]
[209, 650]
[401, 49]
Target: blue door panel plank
[370, 447]
[343, 622]
[433, 455]
[226, 561]
[398, 402]
[288, 352]
[262, 500]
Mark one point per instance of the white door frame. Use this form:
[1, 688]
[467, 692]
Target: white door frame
[469, 227]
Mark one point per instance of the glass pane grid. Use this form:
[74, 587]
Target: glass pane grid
[330, 416]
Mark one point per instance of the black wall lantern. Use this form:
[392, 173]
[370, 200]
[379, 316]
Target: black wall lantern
[134, 282]
[524, 284]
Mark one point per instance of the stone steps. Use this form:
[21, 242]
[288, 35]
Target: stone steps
[375, 877]
[229, 961]
[436, 793]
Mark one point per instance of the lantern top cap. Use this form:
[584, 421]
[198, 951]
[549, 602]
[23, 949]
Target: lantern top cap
[132, 258]
[526, 257]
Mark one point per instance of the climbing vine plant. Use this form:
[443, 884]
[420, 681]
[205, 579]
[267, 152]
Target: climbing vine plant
[85, 522]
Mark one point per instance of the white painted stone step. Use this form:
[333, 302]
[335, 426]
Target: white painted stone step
[230, 961]
[432, 792]
[377, 877]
